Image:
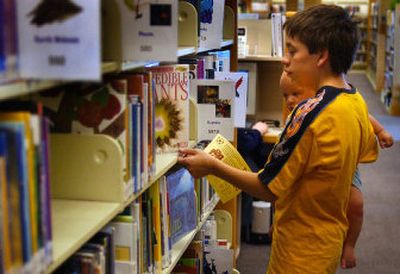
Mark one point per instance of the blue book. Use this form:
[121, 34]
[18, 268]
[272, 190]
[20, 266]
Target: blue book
[17, 176]
[2, 40]
[136, 145]
[182, 203]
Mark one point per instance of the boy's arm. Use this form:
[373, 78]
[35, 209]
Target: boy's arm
[201, 164]
[384, 137]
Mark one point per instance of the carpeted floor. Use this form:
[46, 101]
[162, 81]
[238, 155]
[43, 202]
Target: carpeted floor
[378, 248]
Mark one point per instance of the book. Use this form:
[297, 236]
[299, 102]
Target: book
[18, 193]
[182, 203]
[251, 70]
[215, 103]
[223, 150]
[211, 22]
[277, 35]
[171, 85]
[40, 131]
[2, 42]
[154, 195]
[222, 60]
[5, 236]
[51, 44]
[241, 87]
[124, 243]
[105, 237]
[165, 229]
[30, 182]
[8, 41]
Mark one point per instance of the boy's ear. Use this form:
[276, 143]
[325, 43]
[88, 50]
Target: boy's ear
[323, 58]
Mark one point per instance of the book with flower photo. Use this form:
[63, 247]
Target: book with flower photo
[171, 84]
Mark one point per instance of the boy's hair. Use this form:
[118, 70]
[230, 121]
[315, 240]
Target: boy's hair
[327, 27]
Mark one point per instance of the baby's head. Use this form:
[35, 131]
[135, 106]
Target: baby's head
[292, 92]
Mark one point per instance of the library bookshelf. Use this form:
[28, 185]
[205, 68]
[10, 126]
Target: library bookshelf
[88, 189]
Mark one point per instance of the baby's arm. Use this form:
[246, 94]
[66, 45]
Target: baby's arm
[384, 137]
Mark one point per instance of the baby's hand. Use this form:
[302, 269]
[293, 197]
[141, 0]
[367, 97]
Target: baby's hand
[385, 139]
[261, 127]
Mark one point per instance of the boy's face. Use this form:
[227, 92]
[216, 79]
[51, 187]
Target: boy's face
[299, 64]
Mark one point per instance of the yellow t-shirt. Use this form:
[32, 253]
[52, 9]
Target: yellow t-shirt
[310, 171]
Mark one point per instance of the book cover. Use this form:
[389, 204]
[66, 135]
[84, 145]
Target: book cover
[138, 86]
[154, 195]
[165, 231]
[124, 242]
[17, 180]
[277, 35]
[182, 203]
[171, 85]
[10, 45]
[241, 87]
[211, 22]
[54, 35]
[5, 236]
[152, 147]
[40, 169]
[30, 181]
[222, 60]
[215, 101]
[105, 237]
[2, 42]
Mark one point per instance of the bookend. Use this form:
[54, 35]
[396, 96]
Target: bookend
[86, 167]
[188, 35]
[229, 24]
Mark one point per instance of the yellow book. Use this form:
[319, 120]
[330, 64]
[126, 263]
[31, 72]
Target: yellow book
[4, 206]
[155, 197]
[223, 150]
[25, 119]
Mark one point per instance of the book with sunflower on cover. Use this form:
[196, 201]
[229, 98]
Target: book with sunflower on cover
[171, 85]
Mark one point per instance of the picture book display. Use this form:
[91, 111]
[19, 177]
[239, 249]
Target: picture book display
[54, 35]
[241, 88]
[215, 103]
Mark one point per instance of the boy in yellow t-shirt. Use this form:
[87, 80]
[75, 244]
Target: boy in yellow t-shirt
[308, 173]
[293, 95]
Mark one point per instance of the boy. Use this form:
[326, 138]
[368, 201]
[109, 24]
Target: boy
[308, 173]
[293, 95]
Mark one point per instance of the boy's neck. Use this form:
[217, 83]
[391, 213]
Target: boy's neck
[334, 80]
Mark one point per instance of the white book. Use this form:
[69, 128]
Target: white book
[211, 22]
[241, 88]
[123, 239]
[277, 46]
[215, 103]
[51, 46]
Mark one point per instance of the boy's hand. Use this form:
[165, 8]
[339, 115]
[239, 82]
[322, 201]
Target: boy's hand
[348, 259]
[385, 139]
[198, 162]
